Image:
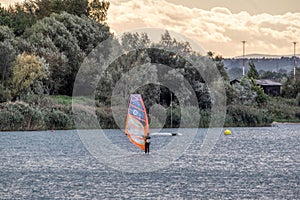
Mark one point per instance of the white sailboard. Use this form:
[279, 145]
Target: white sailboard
[165, 134]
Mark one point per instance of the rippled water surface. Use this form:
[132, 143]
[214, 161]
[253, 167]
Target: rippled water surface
[255, 163]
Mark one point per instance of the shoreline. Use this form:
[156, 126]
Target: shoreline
[285, 122]
[273, 124]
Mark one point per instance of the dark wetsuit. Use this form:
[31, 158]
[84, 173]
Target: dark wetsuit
[147, 144]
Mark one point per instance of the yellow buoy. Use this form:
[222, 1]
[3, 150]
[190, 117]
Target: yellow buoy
[227, 132]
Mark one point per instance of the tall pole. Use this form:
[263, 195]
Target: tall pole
[171, 111]
[243, 57]
[294, 60]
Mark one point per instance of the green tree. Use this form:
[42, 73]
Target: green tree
[261, 98]
[166, 52]
[44, 8]
[77, 7]
[7, 53]
[6, 33]
[29, 73]
[51, 34]
[20, 18]
[5, 18]
[252, 73]
[220, 65]
[244, 95]
[169, 43]
[87, 32]
[134, 41]
[64, 40]
[291, 88]
[274, 76]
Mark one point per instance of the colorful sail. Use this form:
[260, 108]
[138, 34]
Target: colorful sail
[137, 121]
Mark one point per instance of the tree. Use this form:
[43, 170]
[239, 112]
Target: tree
[132, 41]
[252, 73]
[29, 73]
[77, 7]
[6, 33]
[98, 10]
[44, 8]
[220, 65]
[166, 52]
[244, 95]
[273, 75]
[87, 32]
[291, 88]
[166, 39]
[20, 18]
[7, 53]
[52, 35]
[64, 40]
[5, 18]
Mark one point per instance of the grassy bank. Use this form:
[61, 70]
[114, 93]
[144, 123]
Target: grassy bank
[55, 112]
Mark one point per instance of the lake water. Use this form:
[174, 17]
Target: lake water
[252, 163]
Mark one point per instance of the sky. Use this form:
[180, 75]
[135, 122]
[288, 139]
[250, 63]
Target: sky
[267, 26]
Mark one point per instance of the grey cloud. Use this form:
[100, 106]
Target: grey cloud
[217, 26]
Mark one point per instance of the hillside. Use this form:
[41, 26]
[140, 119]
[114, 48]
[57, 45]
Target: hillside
[234, 66]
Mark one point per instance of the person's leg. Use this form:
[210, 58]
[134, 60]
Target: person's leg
[148, 147]
[145, 148]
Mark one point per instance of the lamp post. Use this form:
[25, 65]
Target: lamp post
[244, 42]
[294, 60]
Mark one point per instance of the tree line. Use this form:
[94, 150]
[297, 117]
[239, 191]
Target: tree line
[51, 37]
[43, 44]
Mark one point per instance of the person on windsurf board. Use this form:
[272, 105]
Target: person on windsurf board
[147, 140]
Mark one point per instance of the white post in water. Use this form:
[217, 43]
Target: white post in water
[294, 60]
[243, 57]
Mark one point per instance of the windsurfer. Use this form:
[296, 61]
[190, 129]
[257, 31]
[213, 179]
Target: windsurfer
[147, 140]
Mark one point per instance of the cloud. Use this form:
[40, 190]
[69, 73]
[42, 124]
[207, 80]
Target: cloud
[217, 29]
[6, 3]
[221, 10]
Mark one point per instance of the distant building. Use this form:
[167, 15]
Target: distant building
[270, 87]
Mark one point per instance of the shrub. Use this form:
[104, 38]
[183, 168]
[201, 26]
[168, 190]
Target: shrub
[10, 120]
[56, 119]
[238, 115]
[105, 118]
[84, 116]
[205, 117]
[33, 117]
[283, 109]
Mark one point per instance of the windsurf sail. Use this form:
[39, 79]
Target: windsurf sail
[137, 125]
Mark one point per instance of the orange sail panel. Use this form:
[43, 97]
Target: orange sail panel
[137, 121]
